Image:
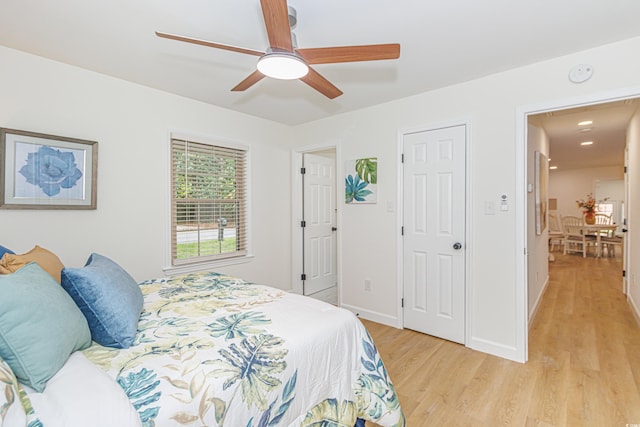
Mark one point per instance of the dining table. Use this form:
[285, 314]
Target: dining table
[597, 230]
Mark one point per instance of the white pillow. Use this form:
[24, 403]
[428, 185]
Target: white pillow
[11, 412]
[81, 394]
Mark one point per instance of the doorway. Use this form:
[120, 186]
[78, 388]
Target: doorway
[530, 294]
[319, 226]
[315, 231]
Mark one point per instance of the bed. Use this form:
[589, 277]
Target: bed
[213, 350]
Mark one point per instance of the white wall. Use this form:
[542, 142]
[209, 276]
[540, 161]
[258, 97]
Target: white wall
[610, 189]
[633, 247]
[131, 124]
[568, 186]
[537, 245]
[491, 104]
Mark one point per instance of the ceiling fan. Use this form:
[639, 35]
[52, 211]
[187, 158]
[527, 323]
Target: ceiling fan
[284, 60]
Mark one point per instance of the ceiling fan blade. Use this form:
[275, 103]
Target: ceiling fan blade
[253, 78]
[276, 19]
[322, 85]
[210, 44]
[332, 55]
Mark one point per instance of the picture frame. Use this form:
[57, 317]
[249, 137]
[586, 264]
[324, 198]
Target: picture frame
[361, 181]
[541, 170]
[41, 171]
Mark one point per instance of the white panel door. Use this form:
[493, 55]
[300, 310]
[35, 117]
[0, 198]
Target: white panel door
[319, 236]
[434, 232]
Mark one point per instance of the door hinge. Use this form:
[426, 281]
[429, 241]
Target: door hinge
[402, 230]
[402, 158]
[303, 224]
[303, 276]
[303, 170]
[402, 302]
[625, 169]
[624, 273]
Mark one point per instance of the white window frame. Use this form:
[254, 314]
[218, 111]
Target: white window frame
[607, 208]
[170, 269]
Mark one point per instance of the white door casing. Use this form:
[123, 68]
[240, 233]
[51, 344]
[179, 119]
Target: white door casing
[626, 256]
[434, 177]
[319, 216]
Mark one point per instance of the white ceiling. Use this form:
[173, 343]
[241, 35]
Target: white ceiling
[607, 132]
[443, 42]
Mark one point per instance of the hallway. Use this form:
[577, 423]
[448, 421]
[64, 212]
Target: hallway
[583, 368]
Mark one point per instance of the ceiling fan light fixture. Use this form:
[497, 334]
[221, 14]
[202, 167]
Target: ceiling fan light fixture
[282, 65]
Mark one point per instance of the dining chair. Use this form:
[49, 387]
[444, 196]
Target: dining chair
[574, 239]
[610, 242]
[556, 235]
[608, 239]
[600, 220]
[603, 218]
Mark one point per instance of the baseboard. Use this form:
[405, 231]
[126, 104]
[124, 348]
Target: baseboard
[496, 349]
[381, 318]
[634, 309]
[536, 306]
[479, 344]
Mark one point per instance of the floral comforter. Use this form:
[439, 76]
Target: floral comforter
[212, 350]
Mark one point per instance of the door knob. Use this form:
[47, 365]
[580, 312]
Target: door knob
[457, 246]
[334, 228]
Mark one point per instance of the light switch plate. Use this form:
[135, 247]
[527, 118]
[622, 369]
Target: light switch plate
[389, 206]
[489, 207]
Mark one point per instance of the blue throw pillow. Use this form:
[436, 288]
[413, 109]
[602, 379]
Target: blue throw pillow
[109, 298]
[40, 326]
[4, 250]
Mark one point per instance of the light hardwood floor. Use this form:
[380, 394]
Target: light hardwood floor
[583, 368]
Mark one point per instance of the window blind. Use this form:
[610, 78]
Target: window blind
[208, 202]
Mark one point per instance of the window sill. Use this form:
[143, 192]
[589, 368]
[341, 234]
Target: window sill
[205, 266]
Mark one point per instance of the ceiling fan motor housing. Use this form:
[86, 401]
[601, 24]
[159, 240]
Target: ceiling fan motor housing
[293, 17]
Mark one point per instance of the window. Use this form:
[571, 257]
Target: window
[605, 208]
[208, 202]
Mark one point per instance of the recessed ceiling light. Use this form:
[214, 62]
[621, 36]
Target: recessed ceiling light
[553, 167]
[549, 159]
[585, 123]
[586, 143]
[585, 130]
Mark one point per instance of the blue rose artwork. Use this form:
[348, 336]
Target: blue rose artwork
[51, 170]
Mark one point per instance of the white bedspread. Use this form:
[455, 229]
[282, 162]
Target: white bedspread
[213, 350]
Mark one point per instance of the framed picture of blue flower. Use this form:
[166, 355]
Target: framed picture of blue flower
[361, 181]
[41, 171]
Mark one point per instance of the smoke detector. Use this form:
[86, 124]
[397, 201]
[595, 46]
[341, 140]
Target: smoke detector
[581, 73]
